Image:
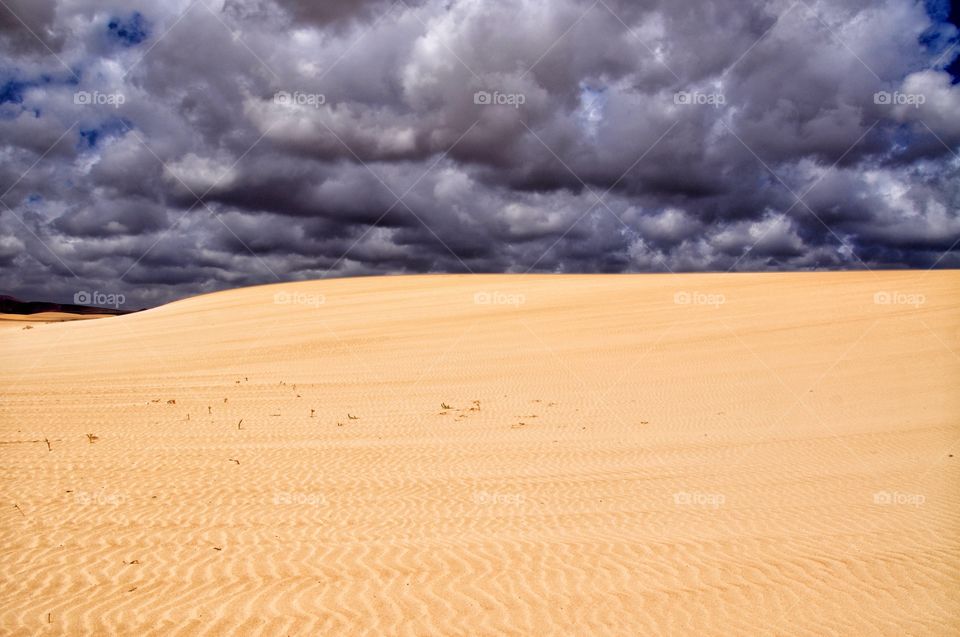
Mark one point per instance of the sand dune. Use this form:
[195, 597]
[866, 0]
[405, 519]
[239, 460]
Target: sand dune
[481, 455]
[22, 321]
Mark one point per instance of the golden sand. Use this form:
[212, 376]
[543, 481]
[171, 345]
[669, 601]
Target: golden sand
[769, 454]
[21, 321]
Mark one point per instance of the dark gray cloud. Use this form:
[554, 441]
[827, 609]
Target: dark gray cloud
[28, 26]
[159, 150]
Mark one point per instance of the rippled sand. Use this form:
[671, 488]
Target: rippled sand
[771, 454]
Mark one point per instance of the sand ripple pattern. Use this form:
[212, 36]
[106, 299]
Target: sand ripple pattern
[606, 457]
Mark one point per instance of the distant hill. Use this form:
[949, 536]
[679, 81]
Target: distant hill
[11, 305]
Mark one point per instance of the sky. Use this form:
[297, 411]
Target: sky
[153, 150]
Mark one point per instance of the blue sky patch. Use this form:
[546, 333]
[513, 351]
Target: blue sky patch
[130, 32]
[113, 127]
[11, 91]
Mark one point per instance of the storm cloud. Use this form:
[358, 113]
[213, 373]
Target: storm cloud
[162, 149]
